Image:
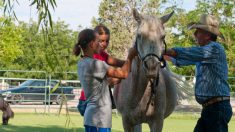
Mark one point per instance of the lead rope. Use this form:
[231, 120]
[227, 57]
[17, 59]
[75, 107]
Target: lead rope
[153, 83]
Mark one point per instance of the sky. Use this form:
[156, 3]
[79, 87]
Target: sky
[73, 12]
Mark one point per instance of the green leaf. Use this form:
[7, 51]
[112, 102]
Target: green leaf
[15, 16]
[55, 87]
[50, 20]
[33, 2]
[52, 67]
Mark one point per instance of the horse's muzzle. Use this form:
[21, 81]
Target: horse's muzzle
[151, 66]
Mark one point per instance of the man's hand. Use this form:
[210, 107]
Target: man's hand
[167, 58]
[170, 52]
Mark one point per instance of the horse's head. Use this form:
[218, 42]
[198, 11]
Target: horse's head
[150, 41]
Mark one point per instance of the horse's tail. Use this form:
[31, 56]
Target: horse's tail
[185, 88]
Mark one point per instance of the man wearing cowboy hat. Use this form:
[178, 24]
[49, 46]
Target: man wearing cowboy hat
[211, 88]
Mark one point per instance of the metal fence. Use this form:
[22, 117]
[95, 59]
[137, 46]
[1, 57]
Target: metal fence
[49, 98]
[39, 91]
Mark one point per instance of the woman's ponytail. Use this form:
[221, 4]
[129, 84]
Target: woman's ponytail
[77, 49]
[84, 38]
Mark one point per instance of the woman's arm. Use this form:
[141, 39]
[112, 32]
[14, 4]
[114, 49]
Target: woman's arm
[125, 69]
[115, 62]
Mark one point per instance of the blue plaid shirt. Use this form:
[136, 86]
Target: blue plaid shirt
[211, 69]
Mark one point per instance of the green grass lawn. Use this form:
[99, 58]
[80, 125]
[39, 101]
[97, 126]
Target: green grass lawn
[54, 123]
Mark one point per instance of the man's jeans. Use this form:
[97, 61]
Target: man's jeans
[215, 117]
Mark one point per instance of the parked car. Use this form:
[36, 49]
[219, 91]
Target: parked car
[35, 91]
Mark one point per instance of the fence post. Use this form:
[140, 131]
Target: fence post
[49, 93]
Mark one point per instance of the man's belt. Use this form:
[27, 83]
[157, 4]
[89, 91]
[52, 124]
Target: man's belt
[215, 100]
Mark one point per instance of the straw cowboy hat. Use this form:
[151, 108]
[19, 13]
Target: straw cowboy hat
[208, 23]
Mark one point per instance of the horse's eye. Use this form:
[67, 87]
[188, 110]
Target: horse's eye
[163, 37]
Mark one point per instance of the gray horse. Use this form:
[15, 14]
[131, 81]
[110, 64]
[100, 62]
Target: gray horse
[148, 95]
[7, 111]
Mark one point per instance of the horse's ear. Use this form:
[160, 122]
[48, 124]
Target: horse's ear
[165, 18]
[137, 16]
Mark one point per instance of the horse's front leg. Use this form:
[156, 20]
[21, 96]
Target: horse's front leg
[157, 124]
[127, 126]
[138, 128]
[160, 107]
[5, 118]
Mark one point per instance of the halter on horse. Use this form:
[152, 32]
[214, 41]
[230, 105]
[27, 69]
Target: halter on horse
[160, 59]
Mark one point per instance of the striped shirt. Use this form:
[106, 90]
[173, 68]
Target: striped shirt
[211, 69]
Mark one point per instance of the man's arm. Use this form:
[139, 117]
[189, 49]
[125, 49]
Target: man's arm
[170, 55]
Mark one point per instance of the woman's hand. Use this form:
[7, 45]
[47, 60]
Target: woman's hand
[113, 81]
[132, 53]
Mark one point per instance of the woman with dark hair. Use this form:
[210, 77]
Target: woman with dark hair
[93, 74]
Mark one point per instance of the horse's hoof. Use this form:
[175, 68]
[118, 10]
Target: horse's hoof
[5, 121]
